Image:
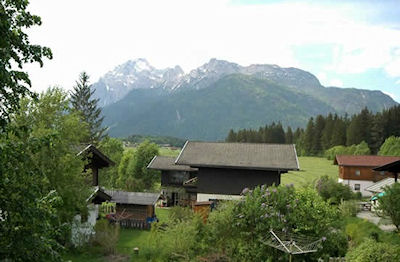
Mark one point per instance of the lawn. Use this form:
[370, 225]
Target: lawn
[311, 168]
[128, 240]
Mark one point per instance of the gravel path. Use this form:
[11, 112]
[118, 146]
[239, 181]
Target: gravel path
[371, 217]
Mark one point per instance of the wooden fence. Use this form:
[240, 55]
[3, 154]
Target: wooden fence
[135, 223]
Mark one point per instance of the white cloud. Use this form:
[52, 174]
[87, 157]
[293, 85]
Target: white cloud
[397, 82]
[96, 35]
[336, 83]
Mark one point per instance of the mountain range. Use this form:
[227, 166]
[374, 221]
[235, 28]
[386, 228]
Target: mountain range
[204, 104]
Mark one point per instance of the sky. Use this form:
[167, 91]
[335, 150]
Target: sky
[344, 43]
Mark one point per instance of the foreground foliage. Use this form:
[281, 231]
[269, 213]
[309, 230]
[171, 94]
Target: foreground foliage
[238, 230]
[15, 51]
[372, 251]
[389, 204]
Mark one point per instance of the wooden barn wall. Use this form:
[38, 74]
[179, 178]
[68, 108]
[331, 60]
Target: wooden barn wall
[233, 181]
[135, 211]
[366, 173]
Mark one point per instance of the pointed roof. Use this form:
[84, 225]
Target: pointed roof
[168, 163]
[133, 198]
[253, 156]
[98, 157]
[364, 160]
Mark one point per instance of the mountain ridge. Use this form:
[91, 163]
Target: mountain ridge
[204, 104]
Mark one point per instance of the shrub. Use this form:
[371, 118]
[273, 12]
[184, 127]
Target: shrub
[332, 191]
[284, 210]
[106, 236]
[178, 214]
[349, 208]
[391, 147]
[373, 251]
[389, 204]
[360, 149]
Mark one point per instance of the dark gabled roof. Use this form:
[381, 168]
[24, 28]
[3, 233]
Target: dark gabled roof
[393, 167]
[168, 163]
[98, 157]
[239, 155]
[365, 161]
[98, 196]
[133, 198]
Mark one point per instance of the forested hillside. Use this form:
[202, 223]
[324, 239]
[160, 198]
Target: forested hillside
[325, 132]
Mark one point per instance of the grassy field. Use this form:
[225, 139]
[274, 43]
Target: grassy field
[311, 168]
[165, 151]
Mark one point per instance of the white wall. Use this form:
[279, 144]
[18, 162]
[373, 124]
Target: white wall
[206, 197]
[363, 185]
[82, 232]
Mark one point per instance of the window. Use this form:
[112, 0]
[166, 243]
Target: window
[357, 172]
[357, 187]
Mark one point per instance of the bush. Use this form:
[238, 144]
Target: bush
[332, 191]
[372, 251]
[349, 208]
[360, 149]
[179, 214]
[391, 147]
[283, 209]
[389, 204]
[106, 236]
[180, 241]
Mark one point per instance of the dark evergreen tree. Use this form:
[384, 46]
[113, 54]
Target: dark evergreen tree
[326, 139]
[83, 102]
[309, 137]
[289, 136]
[339, 131]
[231, 136]
[317, 138]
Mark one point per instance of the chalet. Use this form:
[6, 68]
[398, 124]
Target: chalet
[358, 171]
[394, 169]
[173, 179]
[225, 169]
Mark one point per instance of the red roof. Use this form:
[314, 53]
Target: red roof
[373, 161]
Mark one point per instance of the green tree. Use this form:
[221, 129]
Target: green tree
[231, 136]
[134, 175]
[16, 51]
[114, 149]
[82, 101]
[289, 136]
[50, 116]
[332, 191]
[309, 137]
[318, 131]
[389, 204]
[391, 147]
[28, 215]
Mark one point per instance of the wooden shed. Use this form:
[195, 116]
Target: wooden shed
[134, 209]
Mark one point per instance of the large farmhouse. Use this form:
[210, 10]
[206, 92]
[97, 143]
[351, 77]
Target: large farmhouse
[173, 179]
[225, 169]
[358, 171]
